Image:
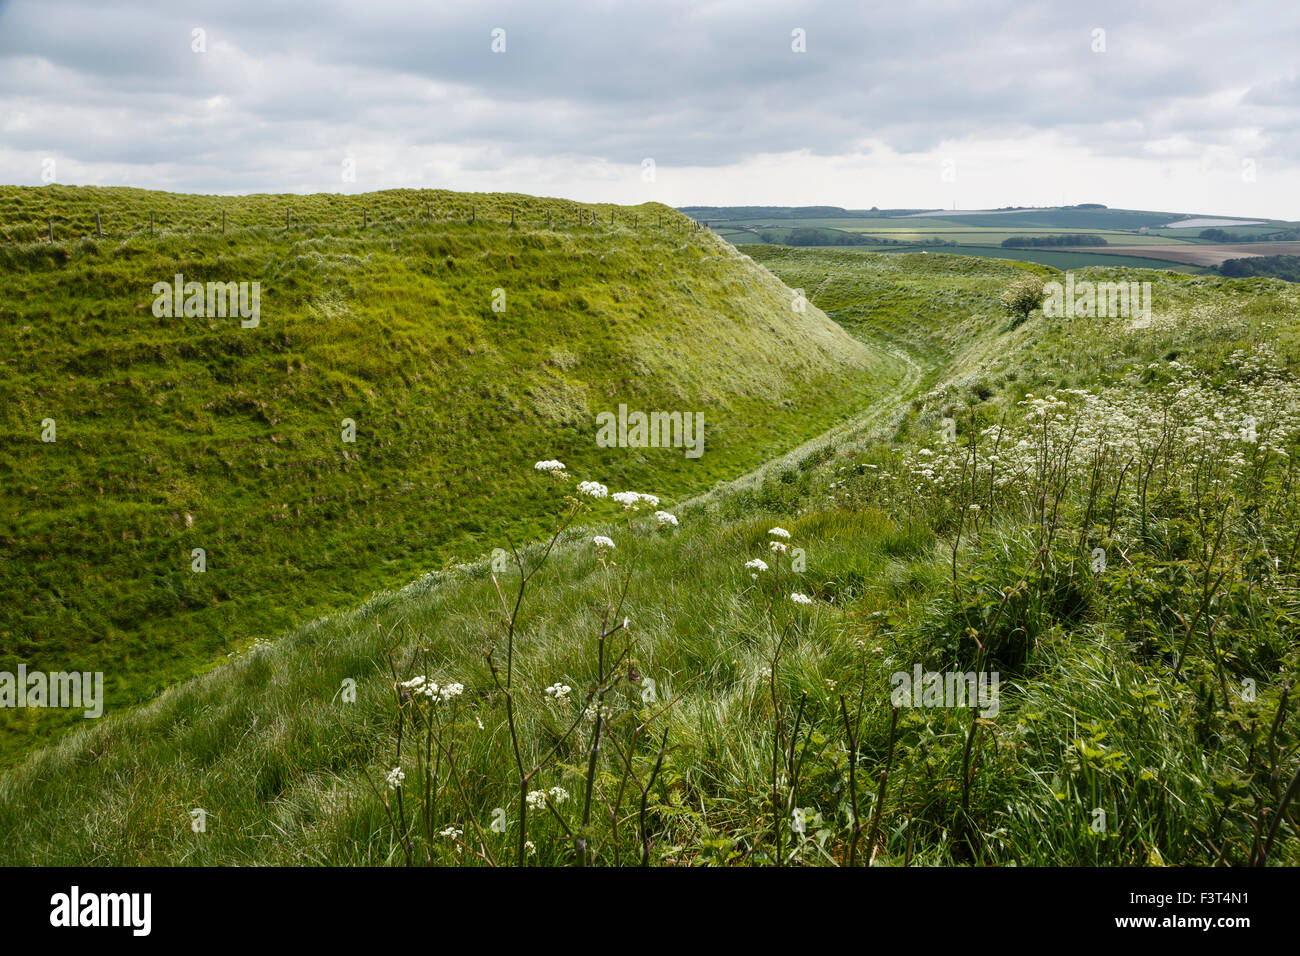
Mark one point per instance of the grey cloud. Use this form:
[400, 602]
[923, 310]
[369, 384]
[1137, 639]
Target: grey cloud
[688, 83]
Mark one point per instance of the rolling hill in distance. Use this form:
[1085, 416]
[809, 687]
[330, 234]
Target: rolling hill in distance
[1184, 242]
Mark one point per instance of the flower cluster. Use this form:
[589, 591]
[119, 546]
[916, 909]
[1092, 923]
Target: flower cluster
[423, 686]
[632, 500]
[538, 799]
[1252, 416]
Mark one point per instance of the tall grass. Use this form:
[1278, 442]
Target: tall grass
[1099, 525]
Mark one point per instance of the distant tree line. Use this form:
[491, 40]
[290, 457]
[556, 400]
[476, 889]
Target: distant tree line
[1276, 267]
[1282, 235]
[812, 236]
[1081, 239]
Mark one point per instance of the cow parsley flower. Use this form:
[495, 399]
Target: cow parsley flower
[592, 489]
[758, 564]
[448, 691]
[536, 799]
[421, 685]
[558, 795]
[559, 691]
[603, 542]
[551, 467]
[453, 832]
[779, 532]
[395, 778]
[631, 500]
[800, 598]
[664, 518]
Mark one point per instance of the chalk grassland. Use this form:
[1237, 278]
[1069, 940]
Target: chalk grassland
[1144, 714]
[175, 434]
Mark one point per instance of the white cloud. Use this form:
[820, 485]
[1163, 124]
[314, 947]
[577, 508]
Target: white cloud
[1011, 91]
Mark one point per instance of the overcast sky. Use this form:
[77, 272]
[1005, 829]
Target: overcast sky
[1187, 106]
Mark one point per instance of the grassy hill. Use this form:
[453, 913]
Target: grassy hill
[1103, 511]
[463, 352]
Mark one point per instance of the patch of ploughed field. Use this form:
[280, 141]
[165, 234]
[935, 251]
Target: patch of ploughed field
[1195, 255]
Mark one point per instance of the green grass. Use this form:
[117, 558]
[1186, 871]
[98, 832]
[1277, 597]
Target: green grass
[183, 433]
[1112, 678]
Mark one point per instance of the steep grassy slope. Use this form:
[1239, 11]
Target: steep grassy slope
[1149, 686]
[462, 352]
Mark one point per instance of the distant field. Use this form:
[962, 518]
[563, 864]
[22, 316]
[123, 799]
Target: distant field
[1140, 238]
[1206, 254]
[985, 237]
[988, 245]
[1076, 258]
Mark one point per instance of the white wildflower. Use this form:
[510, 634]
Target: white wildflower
[779, 532]
[631, 500]
[395, 778]
[800, 598]
[592, 489]
[603, 542]
[664, 518]
[559, 691]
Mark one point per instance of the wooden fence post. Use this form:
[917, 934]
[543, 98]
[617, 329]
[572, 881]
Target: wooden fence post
[223, 220]
[99, 228]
